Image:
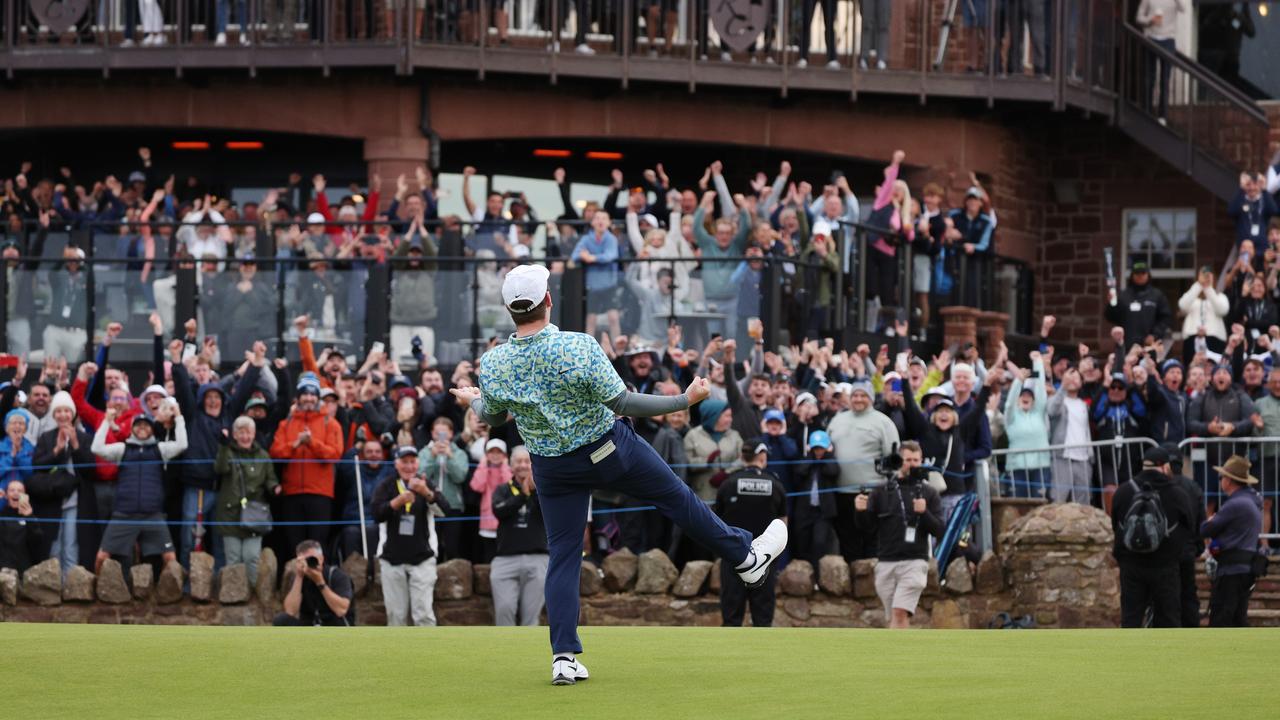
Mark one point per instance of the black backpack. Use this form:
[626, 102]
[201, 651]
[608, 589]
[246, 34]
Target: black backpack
[1145, 525]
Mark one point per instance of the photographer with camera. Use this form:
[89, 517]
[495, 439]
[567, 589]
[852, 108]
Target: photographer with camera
[319, 594]
[903, 512]
[20, 541]
[750, 498]
[408, 506]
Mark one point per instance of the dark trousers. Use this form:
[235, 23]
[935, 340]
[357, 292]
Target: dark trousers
[305, 508]
[1187, 589]
[882, 277]
[450, 536]
[854, 544]
[1155, 587]
[734, 597]
[565, 483]
[1229, 601]
[287, 620]
[809, 532]
[828, 25]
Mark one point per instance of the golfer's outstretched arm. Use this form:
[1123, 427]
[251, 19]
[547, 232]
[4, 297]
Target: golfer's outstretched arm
[632, 404]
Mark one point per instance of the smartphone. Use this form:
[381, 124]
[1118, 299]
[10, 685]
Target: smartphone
[896, 385]
[24, 499]
[188, 351]
[378, 347]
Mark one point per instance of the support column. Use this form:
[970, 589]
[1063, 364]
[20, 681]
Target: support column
[391, 156]
[960, 325]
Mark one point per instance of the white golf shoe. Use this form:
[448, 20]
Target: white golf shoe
[764, 553]
[567, 670]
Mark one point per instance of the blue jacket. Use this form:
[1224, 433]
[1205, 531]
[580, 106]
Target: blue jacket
[140, 484]
[1251, 214]
[15, 467]
[370, 477]
[783, 453]
[206, 432]
[976, 232]
[748, 283]
[603, 273]
[1169, 421]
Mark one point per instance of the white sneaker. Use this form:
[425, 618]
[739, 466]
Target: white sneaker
[726, 56]
[880, 65]
[584, 49]
[127, 43]
[244, 38]
[862, 63]
[566, 670]
[221, 40]
[768, 60]
[802, 64]
[764, 553]
[833, 65]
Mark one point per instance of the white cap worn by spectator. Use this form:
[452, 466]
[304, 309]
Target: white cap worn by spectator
[525, 283]
[821, 227]
[649, 219]
[315, 218]
[844, 388]
[805, 397]
[861, 385]
[495, 444]
[157, 389]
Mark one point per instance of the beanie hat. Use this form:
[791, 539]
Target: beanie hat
[62, 398]
[712, 409]
[308, 383]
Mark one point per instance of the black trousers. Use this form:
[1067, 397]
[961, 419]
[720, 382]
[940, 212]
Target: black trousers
[828, 27]
[734, 597]
[854, 544]
[306, 508]
[1155, 587]
[1190, 600]
[809, 531]
[287, 620]
[1229, 602]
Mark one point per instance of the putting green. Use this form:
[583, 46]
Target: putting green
[102, 671]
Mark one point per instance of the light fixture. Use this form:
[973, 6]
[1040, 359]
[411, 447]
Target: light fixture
[244, 145]
[551, 153]
[190, 145]
[601, 155]
[1262, 9]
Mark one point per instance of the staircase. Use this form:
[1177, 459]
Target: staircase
[1264, 604]
[1211, 131]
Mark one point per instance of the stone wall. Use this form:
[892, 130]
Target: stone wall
[1054, 564]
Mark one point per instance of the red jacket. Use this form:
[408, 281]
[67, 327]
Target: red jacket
[308, 477]
[92, 417]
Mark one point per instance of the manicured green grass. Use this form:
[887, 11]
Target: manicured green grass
[100, 671]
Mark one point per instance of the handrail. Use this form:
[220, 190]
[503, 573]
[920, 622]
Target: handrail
[1199, 72]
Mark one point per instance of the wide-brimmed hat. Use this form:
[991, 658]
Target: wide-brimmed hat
[1237, 468]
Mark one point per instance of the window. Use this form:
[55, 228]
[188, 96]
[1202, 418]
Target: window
[1164, 238]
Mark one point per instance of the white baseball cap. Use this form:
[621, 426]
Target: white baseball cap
[821, 227]
[315, 218]
[525, 282]
[496, 444]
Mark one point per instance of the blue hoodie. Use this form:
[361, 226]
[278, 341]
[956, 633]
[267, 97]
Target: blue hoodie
[205, 433]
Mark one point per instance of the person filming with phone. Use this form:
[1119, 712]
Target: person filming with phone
[319, 594]
[20, 539]
[903, 512]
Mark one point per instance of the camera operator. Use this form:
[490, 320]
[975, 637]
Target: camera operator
[408, 506]
[750, 498]
[903, 512]
[319, 595]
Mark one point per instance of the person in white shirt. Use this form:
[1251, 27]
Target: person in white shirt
[1069, 425]
[1159, 22]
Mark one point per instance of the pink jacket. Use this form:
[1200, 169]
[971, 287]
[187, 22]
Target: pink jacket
[486, 479]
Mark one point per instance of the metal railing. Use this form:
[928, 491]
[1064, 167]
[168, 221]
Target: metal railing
[1192, 118]
[882, 46]
[1263, 453]
[1042, 473]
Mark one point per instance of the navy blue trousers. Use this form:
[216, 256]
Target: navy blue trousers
[634, 468]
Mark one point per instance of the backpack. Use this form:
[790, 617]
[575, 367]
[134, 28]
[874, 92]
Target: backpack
[1145, 525]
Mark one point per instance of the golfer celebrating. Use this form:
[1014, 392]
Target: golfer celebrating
[565, 397]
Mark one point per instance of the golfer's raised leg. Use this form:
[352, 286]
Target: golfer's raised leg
[565, 516]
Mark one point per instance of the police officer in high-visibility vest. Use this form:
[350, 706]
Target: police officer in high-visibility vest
[750, 498]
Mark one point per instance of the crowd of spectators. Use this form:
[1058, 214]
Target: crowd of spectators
[858, 33]
[368, 452]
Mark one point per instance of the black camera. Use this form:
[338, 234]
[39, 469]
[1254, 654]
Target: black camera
[890, 464]
[313, 562]
[918, 474]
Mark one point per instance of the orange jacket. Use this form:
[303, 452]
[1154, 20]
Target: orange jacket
[308, 476]
[308, 353]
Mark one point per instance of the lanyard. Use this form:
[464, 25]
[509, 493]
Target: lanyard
[400, 486]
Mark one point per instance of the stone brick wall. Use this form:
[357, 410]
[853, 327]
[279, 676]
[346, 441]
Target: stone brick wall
[1054, 565]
